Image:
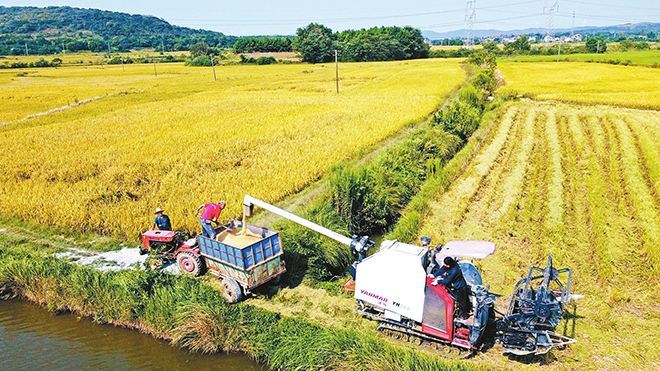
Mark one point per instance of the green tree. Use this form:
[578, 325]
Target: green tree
[315, 43]
[491, 46]
[484, 59]
[521, 45]
[595, 45]
[201, 49]
[371, 47]
[486, 81]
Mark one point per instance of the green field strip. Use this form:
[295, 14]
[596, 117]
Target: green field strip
[643, 200]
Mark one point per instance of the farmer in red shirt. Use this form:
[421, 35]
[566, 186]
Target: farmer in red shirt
[210, 214]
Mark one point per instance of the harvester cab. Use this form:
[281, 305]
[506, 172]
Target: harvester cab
[392, 287]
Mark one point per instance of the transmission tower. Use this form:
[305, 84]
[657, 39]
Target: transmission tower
[470, 16]
[573, 26]
[549, 20]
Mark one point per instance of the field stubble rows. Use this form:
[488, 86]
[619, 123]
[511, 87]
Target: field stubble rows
[581, 184]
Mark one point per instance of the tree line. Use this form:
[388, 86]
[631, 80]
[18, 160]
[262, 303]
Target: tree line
[317, 44]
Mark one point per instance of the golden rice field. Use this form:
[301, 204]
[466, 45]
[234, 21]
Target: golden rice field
[586, 83]
[180, 139]
[581, 184]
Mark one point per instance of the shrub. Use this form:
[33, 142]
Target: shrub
[200, 61]
[266, 60]
[473, 98]
[485, 80]
[458, 119]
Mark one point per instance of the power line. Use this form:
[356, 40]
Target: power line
[264, 22]
[610, 5]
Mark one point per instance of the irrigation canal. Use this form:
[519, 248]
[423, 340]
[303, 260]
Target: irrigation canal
[32, 338]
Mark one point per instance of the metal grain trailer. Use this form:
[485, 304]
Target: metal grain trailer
[243, 259]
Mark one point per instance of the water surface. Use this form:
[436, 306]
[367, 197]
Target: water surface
[32, 338]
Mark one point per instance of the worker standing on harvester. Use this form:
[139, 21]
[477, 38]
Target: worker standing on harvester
[161, 221]
[210, 215]
[449, 275]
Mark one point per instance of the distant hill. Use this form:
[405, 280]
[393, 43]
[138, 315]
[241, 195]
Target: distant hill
[49, 30]
[624, 29]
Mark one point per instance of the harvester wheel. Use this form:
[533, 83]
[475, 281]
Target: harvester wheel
[231, 290]
[189, 263]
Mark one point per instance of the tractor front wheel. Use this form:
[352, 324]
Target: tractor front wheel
[231, 290]
[189, 263]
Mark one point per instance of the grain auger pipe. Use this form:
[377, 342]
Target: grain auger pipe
[359, 245]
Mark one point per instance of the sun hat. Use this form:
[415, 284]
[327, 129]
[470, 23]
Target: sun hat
[159, 210]
[222, 204]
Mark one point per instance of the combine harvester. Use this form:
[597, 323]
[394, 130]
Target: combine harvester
[392, 286]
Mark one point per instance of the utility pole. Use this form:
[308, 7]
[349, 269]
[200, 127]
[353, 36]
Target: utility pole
[109, 52]
[153, 59]
[26, 50]
[122, 64]
[470, 16]
[598, 47]
[213, 66]
[549, 20]
[559, 51]
[336, 71]
[162, 46]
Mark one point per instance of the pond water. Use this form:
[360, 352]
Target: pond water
[32, 338]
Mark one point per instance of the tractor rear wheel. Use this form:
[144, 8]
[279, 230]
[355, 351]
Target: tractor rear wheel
[231, 290]
[189, 263]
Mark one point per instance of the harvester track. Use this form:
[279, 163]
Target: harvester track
[418, 338]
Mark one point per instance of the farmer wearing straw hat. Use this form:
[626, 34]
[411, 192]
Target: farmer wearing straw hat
[161, 221]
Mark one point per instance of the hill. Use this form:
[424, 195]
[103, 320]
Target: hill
[628, 29]
[52, 29]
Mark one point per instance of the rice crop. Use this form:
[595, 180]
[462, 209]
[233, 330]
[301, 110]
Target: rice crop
[586, 83]
[180, 139]
[581, 184]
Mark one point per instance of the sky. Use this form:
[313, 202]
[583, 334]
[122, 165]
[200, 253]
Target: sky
[284, 17]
